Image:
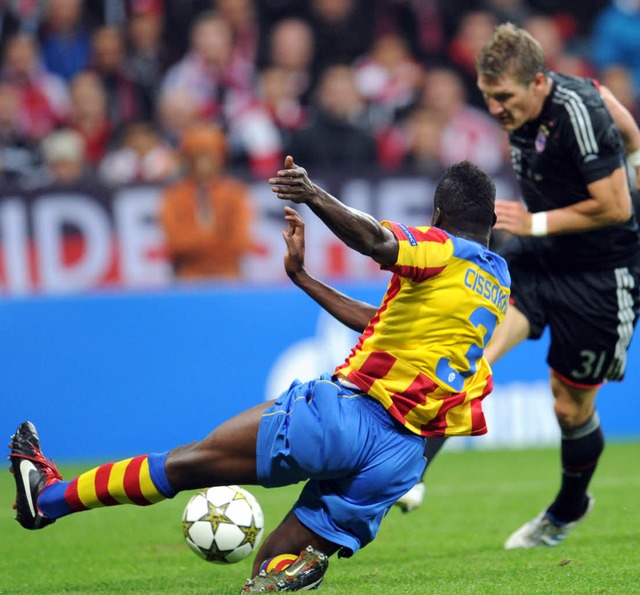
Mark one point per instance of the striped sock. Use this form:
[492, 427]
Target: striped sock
[141, 480]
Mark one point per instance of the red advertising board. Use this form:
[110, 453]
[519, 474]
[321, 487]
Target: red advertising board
[80, 239]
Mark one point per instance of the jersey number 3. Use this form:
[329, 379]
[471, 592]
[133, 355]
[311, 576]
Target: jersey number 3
[446, 373]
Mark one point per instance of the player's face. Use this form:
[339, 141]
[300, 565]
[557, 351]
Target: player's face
[511, 102]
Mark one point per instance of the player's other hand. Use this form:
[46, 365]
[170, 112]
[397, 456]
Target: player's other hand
[513, 217]
[293, 183]
[294, 239]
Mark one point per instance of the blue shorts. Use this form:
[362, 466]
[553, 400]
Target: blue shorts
[357, 458]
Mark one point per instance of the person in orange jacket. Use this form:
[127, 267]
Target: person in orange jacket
[206, 215]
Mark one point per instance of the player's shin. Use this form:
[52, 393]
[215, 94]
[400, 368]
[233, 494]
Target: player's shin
[140, 480]
[581, 449]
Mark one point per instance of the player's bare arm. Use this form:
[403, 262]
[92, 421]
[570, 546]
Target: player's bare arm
[352, 313]
[356, 229]
[610, 203]
[627, 126]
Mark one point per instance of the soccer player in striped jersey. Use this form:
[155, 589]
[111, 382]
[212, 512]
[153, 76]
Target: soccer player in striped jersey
[574, 257]
[356, 434]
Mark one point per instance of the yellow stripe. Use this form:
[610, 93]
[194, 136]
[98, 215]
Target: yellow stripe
[87, 489]
[148, 489]
[116, 482]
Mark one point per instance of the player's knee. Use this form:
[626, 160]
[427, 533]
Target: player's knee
[572, 406]
[571, 413]
[566, 414]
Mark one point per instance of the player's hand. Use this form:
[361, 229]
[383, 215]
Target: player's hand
[513, 217]
[294, 239]
[293, 183]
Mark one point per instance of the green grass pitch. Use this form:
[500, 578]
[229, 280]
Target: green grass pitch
[452, 545]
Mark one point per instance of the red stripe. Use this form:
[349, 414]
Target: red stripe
[102, 485]
[478, 422]
[417, 273]
[397, 231]
[390, 294]
[72, 498]
[438, 425]
[393, 412]
[586, 467]
[426, 273]
[377, 365]
[573, 383]
[414, 395]
[433, 234]
[131, 482]
[392, 291]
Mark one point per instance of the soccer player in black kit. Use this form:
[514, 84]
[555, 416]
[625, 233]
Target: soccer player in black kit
[574, 255]
[575, 252]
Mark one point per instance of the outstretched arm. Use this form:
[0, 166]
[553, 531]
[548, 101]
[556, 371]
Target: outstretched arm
[352, 313]
[356, 229]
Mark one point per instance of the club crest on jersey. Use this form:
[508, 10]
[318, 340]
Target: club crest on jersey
[541, 138]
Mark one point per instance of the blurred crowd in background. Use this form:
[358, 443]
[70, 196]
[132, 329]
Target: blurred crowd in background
[107, 88]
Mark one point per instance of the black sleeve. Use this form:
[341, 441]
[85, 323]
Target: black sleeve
[591, 137]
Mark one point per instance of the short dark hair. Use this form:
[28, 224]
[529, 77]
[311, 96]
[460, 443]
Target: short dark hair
[466, 197]
[511, 51]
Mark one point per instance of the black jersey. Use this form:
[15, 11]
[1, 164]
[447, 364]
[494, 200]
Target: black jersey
[572, 143]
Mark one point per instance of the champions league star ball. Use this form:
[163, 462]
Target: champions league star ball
[224, 524]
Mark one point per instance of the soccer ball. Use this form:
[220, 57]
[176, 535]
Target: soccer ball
[224, 524]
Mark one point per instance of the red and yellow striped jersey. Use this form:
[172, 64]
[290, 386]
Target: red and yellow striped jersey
[422, 354]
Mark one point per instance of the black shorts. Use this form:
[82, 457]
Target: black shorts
[591, 314]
